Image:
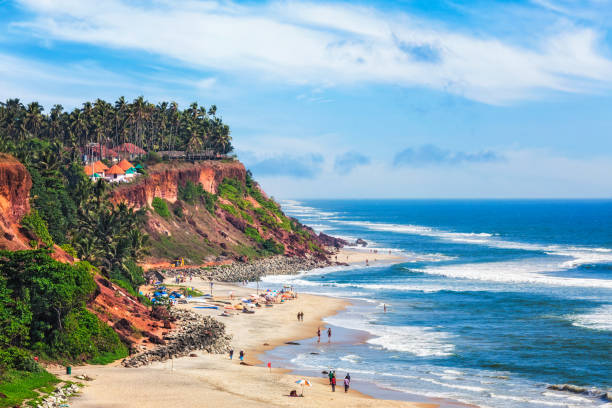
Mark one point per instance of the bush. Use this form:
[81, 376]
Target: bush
[69, 249]
[273, 247]
[191, 192]
[85, 337]
[253, 234]
[178, 211]
[34, 223]
[161, 207]
[18, 359]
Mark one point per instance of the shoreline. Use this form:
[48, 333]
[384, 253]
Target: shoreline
[213, 378]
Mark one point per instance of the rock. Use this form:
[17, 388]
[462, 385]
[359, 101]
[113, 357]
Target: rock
[195, 332]
[292, 343]
[330, 241]
[361, 242]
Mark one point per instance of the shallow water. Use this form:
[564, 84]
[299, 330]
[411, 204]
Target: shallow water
[498, 298]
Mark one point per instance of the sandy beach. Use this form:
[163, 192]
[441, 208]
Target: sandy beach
[359, 256]
[214, 380]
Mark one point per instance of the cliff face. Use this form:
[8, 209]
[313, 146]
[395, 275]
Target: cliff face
[237, 228]
[163, 181]
[15, 184]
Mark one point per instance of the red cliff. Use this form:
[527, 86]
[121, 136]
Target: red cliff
[15, 184]
[162, 180]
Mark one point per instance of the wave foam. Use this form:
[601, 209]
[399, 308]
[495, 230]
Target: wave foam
[581, 255]
[514, 272]
[419, 341]
[598, 319]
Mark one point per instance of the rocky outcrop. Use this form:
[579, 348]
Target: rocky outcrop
[15, 184]
[252, 271]
[163, 180]
[576, 389]
[195, 332]
[330, 241]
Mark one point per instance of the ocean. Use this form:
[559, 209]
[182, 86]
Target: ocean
[497, 299]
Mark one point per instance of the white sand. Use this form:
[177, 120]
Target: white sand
[214, 380]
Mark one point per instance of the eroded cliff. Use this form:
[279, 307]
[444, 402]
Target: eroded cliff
[15, 184]
[163, 180]
[242, 223]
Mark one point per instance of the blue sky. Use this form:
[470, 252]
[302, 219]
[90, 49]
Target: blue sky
[405, 99]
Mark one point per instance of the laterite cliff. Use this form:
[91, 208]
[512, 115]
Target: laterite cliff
[163, 180]
[15, 184]
[236, 229]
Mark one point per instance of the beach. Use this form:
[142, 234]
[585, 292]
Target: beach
[215, 380]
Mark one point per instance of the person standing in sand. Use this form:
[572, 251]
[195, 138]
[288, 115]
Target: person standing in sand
[347, 382]
[241, 355]
[330, 375]
[319, 335]
[328, 334]
[231, 354]
[333, 383]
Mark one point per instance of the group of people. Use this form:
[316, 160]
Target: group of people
[328, 334]
[332, 381]
[241, 355]
[300, 316]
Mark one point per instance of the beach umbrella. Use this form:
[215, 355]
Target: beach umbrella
[303, 382]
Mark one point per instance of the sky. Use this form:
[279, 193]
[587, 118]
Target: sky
[359, 99]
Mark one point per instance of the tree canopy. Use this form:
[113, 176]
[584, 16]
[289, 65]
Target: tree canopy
[153, 127]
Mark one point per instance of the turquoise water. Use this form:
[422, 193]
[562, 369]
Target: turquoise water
[497, 299]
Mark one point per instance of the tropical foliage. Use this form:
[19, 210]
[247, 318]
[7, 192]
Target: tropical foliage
[152, 127]
[42, 309]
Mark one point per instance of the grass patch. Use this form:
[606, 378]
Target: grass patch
[161, 207]
[20, 385]
[109, 356]
[247, 251]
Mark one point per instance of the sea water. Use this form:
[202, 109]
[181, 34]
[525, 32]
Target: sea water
[496, 299]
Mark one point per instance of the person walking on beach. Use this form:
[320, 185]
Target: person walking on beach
[333, 383]
[330, 375]
[328, 334]
[231, 354]
[319, 335]
[241, 355]
[347, 383]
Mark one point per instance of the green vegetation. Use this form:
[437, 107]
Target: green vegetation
[42, 309]
[161, 207]
[37, 226]
[190, 247]
[273, 247]
[69, 249]
[20, 385]
[152, 127]
[230, 209]
[253, 234]
[191, 193]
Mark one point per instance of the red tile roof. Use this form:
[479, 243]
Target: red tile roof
[115, 170]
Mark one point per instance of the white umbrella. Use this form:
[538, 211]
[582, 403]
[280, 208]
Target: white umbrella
[303, 382]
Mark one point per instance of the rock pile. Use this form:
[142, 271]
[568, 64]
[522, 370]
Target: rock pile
[59, 397]
[252, 271]
[195, 332]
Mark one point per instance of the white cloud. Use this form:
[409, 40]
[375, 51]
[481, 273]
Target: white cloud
[535, 173]
[328, 44]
